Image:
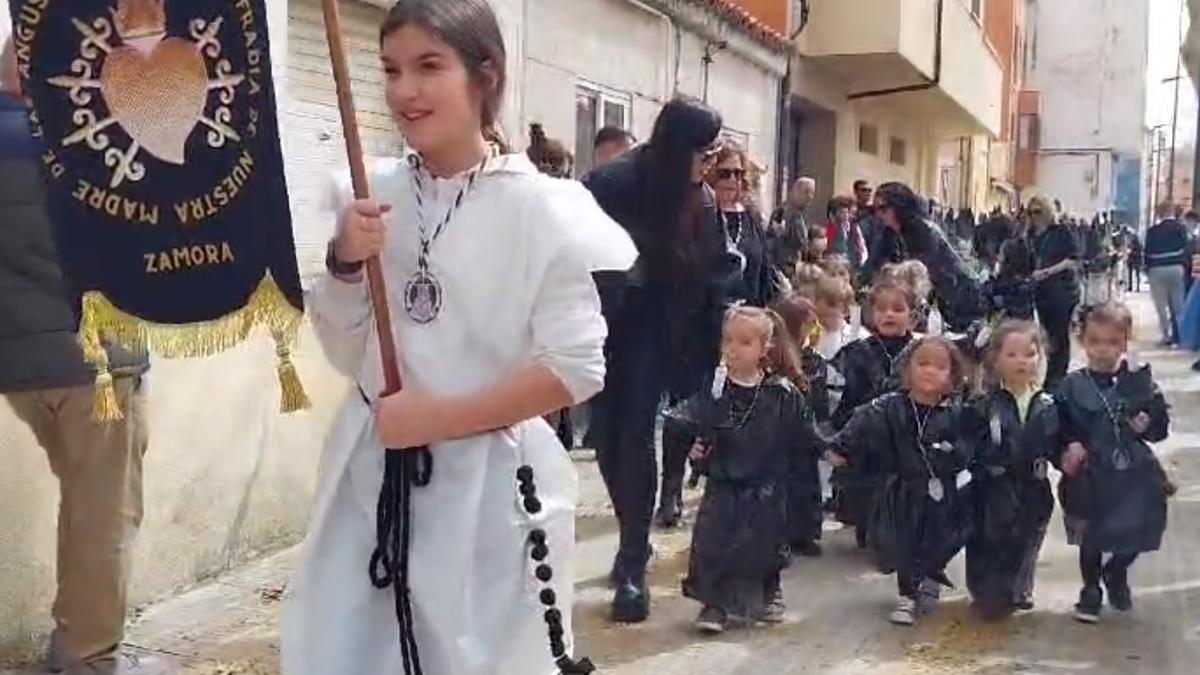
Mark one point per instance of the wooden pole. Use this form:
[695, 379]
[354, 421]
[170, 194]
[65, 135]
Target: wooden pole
[362, 190]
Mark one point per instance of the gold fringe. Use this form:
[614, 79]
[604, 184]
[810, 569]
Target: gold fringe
[267, 307]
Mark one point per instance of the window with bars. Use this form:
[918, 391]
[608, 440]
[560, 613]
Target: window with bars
[596, 108]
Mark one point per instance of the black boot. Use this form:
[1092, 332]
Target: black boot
[631, 601]
[1120, 597]
[670, 512]
[1091, 600]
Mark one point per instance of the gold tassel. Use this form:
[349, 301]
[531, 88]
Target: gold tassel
[104, 405]
[104, 402]
[293, 397]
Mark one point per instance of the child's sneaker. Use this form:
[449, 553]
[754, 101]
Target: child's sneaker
[712, 620]
[905, 613]
[774, 611]
[1087, 610]
[1120, 597]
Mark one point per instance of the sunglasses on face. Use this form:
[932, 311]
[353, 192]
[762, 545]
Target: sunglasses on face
[726, 174]
[1036, 212]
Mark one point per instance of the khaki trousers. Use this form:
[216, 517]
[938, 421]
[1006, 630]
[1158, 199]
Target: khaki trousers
[99, 470]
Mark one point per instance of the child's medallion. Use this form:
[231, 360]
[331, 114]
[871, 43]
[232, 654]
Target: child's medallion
[423, 297]
[937, 492]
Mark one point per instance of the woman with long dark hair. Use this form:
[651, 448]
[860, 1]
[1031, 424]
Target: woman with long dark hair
[753, 281]
[909, 234]
[664, 318]
[443, 528]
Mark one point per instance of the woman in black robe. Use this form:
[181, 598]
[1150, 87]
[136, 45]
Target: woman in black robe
[752, 281]
[664, 318]
[909, 234]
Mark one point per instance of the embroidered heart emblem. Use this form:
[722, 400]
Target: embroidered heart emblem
[157, 97]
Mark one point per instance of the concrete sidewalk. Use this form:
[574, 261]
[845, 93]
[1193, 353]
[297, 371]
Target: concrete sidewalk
[838, 604]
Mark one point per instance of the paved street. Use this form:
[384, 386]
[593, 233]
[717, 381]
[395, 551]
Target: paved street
[838, 605]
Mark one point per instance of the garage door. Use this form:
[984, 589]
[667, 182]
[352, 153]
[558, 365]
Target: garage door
[311, 125]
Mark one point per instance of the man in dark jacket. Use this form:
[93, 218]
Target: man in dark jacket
[46, 381]
[788, 229]
[1167, 244]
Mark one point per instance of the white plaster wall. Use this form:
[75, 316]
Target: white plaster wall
[1088, 58]
[1082, 182]
[629, 49]
[559, 55]
[1090, 66]
[746, 96]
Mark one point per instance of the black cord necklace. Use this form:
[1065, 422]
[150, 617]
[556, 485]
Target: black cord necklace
[423, 292]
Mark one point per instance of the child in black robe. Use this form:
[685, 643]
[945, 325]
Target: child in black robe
[748, 430]
[1013, 497]
[867, 370]
[922, 437]
[1114, 491]
[805, 515]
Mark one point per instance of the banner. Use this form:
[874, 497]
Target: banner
[166, 175]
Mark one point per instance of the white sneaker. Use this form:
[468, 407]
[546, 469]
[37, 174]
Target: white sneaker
[905, 612]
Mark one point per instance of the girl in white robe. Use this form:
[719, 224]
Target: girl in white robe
[515, 332]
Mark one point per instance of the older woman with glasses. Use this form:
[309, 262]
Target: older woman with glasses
[734, 180]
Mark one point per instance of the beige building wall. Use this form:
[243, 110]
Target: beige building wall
[844, 53]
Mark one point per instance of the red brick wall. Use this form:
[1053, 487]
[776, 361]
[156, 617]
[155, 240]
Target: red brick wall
[773, 13]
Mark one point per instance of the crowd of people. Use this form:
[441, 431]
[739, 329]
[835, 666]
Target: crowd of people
[852, 363]
[923, 360]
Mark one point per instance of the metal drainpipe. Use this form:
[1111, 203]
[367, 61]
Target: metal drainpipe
[929, 83]
[783, 122]
[1196, 168]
